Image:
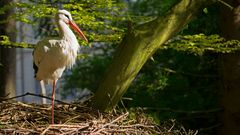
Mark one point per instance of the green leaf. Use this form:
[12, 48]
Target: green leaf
[205, 10]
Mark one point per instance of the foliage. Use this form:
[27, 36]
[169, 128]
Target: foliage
[98, 19]
[200, 43]
[4, 40]
[105, 21]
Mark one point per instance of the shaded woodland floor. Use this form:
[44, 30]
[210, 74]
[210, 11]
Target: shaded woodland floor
[21, 118]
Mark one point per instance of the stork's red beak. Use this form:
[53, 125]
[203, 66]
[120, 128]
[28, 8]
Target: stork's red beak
[78, 30]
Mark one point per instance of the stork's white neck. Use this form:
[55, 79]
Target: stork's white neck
[70, 42]
[65, 32]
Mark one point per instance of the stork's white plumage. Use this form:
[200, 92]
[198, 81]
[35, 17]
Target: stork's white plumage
[52, 55]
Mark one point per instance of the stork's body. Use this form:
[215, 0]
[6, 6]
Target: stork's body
[52, 55]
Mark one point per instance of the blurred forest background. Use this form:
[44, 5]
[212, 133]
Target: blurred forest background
[193, 78]
[175, 84]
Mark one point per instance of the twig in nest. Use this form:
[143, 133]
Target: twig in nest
[107, 124]
[43, 133]
[72, 119]
[61, 126]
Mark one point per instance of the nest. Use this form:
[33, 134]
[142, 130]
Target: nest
[72, 119]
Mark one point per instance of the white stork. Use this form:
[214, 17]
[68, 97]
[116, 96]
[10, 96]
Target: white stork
[52, 55]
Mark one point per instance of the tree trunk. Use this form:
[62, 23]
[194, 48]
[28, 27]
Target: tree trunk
[7, 56]
[138, 45]
[230, 71]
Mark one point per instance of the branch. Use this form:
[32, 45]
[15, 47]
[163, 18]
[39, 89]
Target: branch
[211, 127]
[183, 111]
[32, 94]
[226, 4]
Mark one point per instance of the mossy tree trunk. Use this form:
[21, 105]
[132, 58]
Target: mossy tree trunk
[138, 46]
[7, 56]
[230, 71]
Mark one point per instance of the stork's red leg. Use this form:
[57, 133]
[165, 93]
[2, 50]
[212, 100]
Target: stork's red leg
[53, 99]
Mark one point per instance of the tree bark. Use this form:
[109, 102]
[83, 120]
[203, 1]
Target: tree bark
[138, 45]
[7, 56]
[230, 71]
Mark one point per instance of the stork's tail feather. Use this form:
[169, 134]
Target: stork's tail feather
[35, 67]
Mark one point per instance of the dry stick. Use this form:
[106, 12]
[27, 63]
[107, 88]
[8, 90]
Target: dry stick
[69, 126]
[30, 106]
[148, 127]
[137, 125]
[43, 133]
[71, 132]
[110, 101]
[115, 120]
[169, 130]
[32, 94]
[155, 131]
[64, 125]
[72, 119]
[123, 105]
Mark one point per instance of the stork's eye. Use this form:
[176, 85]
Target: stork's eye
[67, 16]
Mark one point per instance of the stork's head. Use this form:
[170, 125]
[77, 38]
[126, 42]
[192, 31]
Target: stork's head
[66, 17]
